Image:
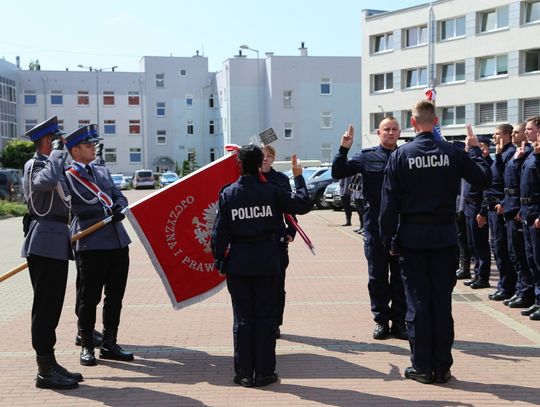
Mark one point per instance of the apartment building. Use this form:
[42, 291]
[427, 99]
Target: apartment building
[483, 57]
[8, 102]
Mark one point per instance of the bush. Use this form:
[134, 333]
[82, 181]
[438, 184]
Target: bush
[12, 208]
[16, 153]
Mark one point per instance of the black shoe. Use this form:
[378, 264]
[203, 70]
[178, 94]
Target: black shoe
[479, 284]
[261, 380]
[535, 316]
[114, 352]
[533, 308]
[381, 331]
[509, 300]
[417, 376]
[399, 330]
[49, 377]
[243, 381]
[87, 357]
[71, 375]
[520, 302]
[278, 333]
[470, 282]
[347, 224]
[98, 338]
[442, 378]
[463, 274]
[499, 296]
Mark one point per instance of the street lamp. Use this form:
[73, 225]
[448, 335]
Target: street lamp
[97, 71]
[244, 46]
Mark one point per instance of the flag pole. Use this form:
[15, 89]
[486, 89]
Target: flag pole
[74, 238]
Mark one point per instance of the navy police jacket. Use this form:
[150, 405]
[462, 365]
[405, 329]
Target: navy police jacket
[512, 176]
[495, 193]
[371, 163]
[530, 189]
[284, 229]
[243, 236]
[421, 183]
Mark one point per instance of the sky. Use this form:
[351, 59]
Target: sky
[104, 33]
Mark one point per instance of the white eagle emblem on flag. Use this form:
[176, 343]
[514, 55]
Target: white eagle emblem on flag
[203, 230]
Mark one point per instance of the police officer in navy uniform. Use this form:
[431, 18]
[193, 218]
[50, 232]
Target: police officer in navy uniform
[102, 258]
[493, 199]
[245, 249]
[524, 294]
[386, 293]
[47, 248]
[418, 206]
[285, 235]
[529, 212]
[477, 229]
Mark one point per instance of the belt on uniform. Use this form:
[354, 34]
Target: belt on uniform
[530, 201]
[428, 219]
[52, 218]
[252, 239]
[511, 191]
[492, 199]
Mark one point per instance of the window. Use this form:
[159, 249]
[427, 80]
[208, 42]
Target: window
[160, 80]
[414, 36]
[451, 116]
[83, 123]
[492, 112]
[288, 131]
[326, 120]
[161, 137]
[287, 98]
[532, 11]
[57, 98]
[493, 19]
[377, 118]
[189, 127]
[189, 100]
[134, 127]
[531, 60]
[183, 72]
[531, 108]
[135, 155]
[212, 154]
[108, 98]
[383, 81]
[382, 42]
[110, 155]
[416, 77]
[452, 28]
[406, 115]
[326, 153]
[29, 124]
[82, 98]
[326, 86]
[211, 127]
[109, 127]
[211, 100]
[160, 108]
[133, 98]
[61, 124]
[30, 97]
[453, 72]
[493, 66]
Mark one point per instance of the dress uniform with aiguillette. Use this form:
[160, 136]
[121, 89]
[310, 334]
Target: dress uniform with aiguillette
[47, 248]
[102, 258]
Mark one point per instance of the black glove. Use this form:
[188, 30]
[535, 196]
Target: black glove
[117, 215]
[57, 144]
[99, 150]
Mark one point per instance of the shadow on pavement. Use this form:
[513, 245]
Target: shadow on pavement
[497, 351]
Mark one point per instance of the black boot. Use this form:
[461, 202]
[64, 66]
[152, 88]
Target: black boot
[464, 271]
[97, 339]
[64, 372]
[87, 357]
[111, 350]
[49, 377]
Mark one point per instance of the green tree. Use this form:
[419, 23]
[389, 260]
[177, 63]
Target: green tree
[186, 168]
[16, 153]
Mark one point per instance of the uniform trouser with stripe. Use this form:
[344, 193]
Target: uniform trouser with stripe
[518, 257]
[479, 241]
[49, 279]
[499, 246]
[429, 276]
[532, 249]
[280, 285]
[464, 252]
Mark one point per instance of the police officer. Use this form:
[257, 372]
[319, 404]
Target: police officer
[386, 294]
[418, 201]
[285, 235]
[102, 258]
[477, 229]
[493, 198]
[464, 252]
[47, 248]
[245, 249]
[529, 212]
[524, 294]
[345, 194]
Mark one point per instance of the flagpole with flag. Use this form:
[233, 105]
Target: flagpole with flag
[430, 92]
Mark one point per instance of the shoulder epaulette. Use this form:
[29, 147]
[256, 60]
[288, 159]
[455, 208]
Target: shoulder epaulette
[369, 149]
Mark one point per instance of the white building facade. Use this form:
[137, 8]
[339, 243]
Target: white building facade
[482, 56]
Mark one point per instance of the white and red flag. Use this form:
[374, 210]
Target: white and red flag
[175, 226]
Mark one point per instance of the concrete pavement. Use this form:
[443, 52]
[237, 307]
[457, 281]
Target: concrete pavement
[326, 355]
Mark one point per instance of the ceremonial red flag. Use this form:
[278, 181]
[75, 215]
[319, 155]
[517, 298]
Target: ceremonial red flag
[175, 226]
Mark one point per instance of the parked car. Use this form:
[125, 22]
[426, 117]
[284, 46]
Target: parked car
[10, 185]
[143, 179]
[308, 173]
[120, 181]
[168, 178]
[316, 185]
[332, 196]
